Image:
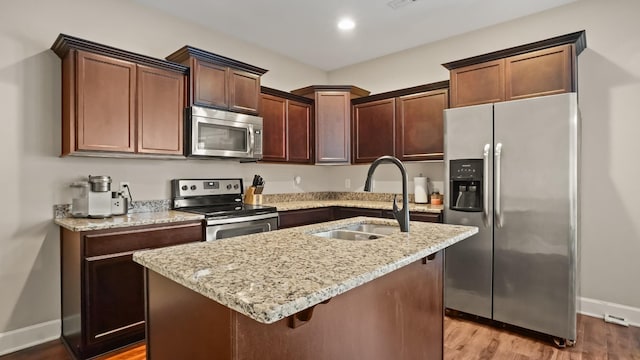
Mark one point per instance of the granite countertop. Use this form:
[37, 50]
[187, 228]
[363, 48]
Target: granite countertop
[367, 204]
[269, 276]
[146, 218]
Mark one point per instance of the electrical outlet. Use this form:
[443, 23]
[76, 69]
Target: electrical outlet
[347, 183]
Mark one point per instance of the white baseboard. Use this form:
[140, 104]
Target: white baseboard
[598, 308]
[29, 336]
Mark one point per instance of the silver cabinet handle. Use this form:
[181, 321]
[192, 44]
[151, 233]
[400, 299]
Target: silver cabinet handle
[485, 190]
[498, 210]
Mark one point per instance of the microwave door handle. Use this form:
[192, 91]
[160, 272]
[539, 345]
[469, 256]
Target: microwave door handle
[252, 140]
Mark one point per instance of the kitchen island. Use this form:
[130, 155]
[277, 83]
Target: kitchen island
[289, 294]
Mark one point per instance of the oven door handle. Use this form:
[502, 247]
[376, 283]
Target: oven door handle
[214, 221]
[222, 231]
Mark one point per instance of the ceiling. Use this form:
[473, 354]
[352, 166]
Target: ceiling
[306, 30]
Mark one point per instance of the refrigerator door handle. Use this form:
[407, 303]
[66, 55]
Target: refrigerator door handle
[498, 207]
[485, 190]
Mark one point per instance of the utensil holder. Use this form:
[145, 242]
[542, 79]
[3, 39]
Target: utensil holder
[252, 197]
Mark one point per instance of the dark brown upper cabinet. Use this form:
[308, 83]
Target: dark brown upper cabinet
[332, 120]
[406, 123]
[545, 67]
[220, 82]
[419, 125]
[116, 102]
[374, 128]
[287, 127]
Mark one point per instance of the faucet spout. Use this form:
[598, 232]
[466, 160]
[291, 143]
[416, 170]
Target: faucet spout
[401, 215]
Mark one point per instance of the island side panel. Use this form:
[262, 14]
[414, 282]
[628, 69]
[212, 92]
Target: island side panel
[397, 316]
[182, 324]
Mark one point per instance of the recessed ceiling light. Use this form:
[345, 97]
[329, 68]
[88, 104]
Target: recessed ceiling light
[346, 24]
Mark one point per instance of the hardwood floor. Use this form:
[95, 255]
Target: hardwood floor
[464, 339]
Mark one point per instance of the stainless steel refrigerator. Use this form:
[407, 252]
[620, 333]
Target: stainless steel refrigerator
[512, 170]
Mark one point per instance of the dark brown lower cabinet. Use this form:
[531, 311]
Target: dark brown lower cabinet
[113, 297]
[396, 316]
[301, 217]
[103, 288]
[346, 212]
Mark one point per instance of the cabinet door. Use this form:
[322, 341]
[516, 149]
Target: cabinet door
[300, 132]
[333, 126]
[160, 111]
[373, 130]
[105, 105]
[114, 298]
[244, 92]
[209, 84]
[538, 73]
[420, 134]
[274, 128]
[478, 84]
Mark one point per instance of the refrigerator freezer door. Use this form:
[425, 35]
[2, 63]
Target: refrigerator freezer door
[535, 245]
[468, 264]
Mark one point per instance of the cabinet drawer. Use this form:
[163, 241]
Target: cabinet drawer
[304, 217]
[111, 242]
[345, 212]
[425, 217]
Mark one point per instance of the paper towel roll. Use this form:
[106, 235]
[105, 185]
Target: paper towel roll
[420, 190]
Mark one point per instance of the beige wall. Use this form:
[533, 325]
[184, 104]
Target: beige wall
[609, 92]
[34, 178]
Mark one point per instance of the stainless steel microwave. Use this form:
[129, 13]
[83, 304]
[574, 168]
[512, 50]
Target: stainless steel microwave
[223, 134]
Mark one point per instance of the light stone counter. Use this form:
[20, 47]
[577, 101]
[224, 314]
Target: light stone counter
[146, 218]
[366, 204]
[269, 276]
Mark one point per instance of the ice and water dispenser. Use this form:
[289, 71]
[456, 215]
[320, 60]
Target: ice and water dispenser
[465, 185]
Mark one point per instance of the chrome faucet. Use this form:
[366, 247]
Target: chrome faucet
[401, 215]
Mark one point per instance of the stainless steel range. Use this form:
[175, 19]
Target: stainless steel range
[220, 201]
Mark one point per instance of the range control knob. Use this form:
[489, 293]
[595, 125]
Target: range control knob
[236, 186]
[228, 186]
[193, 187]
[184, 187]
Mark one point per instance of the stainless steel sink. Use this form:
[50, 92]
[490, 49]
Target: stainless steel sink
[359, 232]
[373, 228]
[347, 235]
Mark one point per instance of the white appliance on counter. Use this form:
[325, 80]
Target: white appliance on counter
[93, 199]
[512, 170]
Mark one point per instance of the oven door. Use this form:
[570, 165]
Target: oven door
[225, 228]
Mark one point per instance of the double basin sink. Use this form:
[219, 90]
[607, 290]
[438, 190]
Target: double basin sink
[358, 232]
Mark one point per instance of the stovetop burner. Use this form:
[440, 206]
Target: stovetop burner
[230, 210]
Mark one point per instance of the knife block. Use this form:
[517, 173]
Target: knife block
[250, 196]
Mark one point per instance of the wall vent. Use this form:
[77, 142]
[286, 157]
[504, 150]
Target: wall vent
[396, 4]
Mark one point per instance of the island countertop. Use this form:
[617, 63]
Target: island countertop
[272, 275]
